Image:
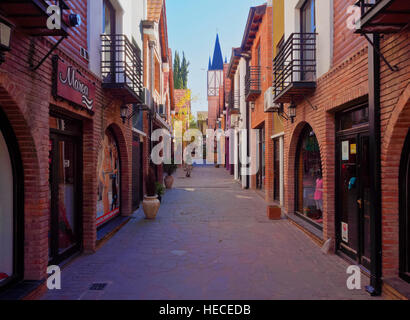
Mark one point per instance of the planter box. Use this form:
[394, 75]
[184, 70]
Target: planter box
[274, 213]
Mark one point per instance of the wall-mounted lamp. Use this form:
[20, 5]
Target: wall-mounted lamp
[5, 36]
[252, 105]
[124, 113]
[292, 112]
[137, 108]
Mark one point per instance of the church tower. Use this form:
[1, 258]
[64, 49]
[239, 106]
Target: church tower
[215, 81]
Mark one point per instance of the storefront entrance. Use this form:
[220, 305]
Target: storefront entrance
[405, 211]
[353, 185]
[65, 189]
[11, 206]
[260, 177]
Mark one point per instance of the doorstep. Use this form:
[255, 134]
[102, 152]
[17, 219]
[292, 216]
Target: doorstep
[110, 229]
[24, 290]
[315, 234]
[396, 289]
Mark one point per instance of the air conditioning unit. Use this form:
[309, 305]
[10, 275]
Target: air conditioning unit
[269, 105]
[147, 98]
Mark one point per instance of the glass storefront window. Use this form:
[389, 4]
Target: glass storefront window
[309, 179]
[6, 213]
[108, 204]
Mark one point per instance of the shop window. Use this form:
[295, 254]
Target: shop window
[309, 180]
[108, 203]
[354, 118]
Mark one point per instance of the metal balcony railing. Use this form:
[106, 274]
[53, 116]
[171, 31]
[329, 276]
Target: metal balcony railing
[233, 100]
[366, 5]
[253, 82]
[121, 67]
[295, 63]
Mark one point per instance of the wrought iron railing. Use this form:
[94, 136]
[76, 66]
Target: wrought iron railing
[295, 62]
[233, 100]
[253, 80]
[366, 5]
[121, 63]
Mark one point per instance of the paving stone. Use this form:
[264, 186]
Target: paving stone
[211, 240]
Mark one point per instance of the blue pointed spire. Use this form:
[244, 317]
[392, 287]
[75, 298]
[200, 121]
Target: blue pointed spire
[210, 64]
[217, 61]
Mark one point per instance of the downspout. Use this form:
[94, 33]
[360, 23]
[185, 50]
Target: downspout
[375, 167]
[248, 139]
[151, 84]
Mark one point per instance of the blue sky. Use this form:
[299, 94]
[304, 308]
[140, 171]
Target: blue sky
[192, 28]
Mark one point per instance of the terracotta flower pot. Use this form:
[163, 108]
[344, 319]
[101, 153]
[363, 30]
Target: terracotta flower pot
[150, 206]
[169, 181]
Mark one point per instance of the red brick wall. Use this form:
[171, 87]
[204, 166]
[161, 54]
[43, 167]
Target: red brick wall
[264, 39]
[25, 96]
[345, 41]
[395, 123]
[351, 77]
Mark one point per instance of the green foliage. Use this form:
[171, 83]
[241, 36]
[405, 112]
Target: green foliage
[181, 71]
[170, 168]
[160, 189]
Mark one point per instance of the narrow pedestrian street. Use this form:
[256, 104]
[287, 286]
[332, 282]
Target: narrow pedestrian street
[211, 240]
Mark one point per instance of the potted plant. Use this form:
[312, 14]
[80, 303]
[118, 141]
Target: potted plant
[169, 169]
[160, 189]
[151, 203]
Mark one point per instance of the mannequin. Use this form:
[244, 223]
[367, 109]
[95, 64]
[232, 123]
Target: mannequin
[319, 191]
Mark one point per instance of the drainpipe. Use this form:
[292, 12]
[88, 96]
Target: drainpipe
[151, 84]
[375, 167]
[248, 183]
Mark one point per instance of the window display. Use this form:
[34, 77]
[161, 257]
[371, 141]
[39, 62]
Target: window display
[309, 180]
[108, 204]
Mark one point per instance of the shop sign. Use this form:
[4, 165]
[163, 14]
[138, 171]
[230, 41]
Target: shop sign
[69, 84]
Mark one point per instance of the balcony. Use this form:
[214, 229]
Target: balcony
[233, 102]
[121, 68]
[294, 68]
[253, 83]
[383, 16]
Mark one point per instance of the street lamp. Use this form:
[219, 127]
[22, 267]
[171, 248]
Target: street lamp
[5, 35]
[292, 112]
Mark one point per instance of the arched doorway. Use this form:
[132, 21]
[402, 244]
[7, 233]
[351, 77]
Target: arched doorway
[309, 179]
[11, 205]
[109, 175]
[405, 211]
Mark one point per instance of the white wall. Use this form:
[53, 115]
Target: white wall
[324, 26]
[130, 13]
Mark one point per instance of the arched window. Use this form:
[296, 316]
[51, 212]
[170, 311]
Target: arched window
[309, 180]
[109, 173]
[11, 205]
[405, 211]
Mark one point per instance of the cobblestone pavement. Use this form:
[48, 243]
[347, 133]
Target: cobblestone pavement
[211, 240]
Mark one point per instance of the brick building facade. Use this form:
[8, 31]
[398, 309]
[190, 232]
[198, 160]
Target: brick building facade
[70, 160]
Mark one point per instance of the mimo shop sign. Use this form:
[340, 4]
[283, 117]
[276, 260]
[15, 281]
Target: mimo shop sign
[69, 84]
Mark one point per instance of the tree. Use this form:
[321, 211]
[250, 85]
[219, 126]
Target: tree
[180, 71]
[184, 71]
[178, 84]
